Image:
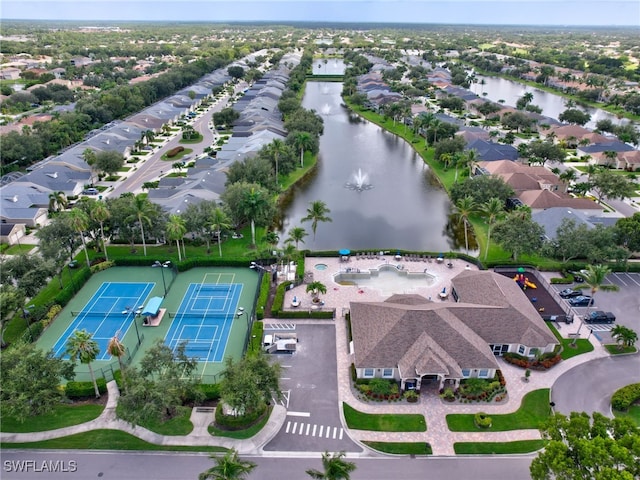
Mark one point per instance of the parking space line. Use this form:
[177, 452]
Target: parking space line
[631, 278]
[620, 279]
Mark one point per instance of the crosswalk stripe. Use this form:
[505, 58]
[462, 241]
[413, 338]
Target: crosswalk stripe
[341, 432]
[295, 425]
[301, 429]
[288, 426]
[308, 427]
[335, 432]
[314, 431]
[320, 434]
[328, 432]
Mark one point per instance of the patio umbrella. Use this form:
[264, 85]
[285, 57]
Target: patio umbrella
[521, 270]
[344, 251]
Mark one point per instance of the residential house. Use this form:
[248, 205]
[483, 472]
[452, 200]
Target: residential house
[599, 153]
[10, 73]
[551, 219]
[413, 340]
[11, 233]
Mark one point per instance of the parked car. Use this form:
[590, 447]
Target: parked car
[91, 191]
[570, 293]
[558, 318]
[577, 277]
[581, 301]
[599, 316]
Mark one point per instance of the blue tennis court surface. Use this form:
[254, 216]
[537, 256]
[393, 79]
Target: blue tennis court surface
[110, 310]
[204, 319]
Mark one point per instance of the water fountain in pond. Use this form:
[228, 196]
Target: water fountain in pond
[325, 109]
[359, 182]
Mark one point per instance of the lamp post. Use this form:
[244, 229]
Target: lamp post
[162, 266]
[25, 315]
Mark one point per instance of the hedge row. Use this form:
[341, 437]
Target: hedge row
[211, 390]
[175, 151]
[75, 390]
[229, 422]
[625, 397]
[263, 297]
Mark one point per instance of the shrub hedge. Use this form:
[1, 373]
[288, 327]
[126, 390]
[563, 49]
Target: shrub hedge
[263, 297]
[229, 422]
[625, 397]
[75, 390]
[175, 151]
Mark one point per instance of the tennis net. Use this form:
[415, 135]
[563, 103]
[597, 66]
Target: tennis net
[221, 316]
[94, 314]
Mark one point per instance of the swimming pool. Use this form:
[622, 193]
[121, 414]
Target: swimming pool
[388, 279]
[320, 266]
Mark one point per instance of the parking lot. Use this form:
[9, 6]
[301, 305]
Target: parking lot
[624, 304]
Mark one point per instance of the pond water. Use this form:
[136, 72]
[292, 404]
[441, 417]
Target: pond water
[552, 105]
[381, 194]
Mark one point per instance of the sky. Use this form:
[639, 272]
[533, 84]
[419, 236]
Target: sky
[492, 12]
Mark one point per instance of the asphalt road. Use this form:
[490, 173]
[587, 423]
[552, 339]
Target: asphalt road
[309, 381]
[186, 466]
[588, 387]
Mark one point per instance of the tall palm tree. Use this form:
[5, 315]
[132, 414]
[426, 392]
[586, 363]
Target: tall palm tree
[99, 212]
[302, 141]
[79, 222]
[317, 212]
[297, 234]
[276, 149]
[594, 277]
[228, 467]
[255, 203]
[492, 210]
[81, 346]
[464, 208]
[148, 135]
[116, 348]
[142, 209]
[175, 230]
[334, 467]
[219, 222]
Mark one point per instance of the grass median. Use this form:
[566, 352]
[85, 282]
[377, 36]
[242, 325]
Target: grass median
[401, 448]
[533, 411]
[383, 422]
[62, 416]
[496, 448]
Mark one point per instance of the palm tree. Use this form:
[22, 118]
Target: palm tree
[317, 212]
[142, 209]
[334, 468]
[254, 204]
[492, 210]
[81, 346]
[219, 222]
[594, 277]
[302, 141]
[297, 234]
[99, 212]
[79, 222]
[277, 148]
[175, 230]
[57, 201]
[611, 156]
[148, 135]
[228, 467]
[465, 207]
[316, 288]
[568, 176]
[116, 348]
[624, 336]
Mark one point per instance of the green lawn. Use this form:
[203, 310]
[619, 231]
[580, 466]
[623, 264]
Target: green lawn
[633, 414]
[197, 139]
[18, 249]
[62, 416]
[384, 422]
[489, 448]
[568, 350]
[107, 440]
[178, 425]
[614, 349]
[401, 448]
[532, 412]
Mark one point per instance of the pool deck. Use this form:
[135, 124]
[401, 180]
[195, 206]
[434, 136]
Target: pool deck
[339, 296]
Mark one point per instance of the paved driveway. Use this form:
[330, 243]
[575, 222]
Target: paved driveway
[310, 385]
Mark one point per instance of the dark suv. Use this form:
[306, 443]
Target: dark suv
[600, 317]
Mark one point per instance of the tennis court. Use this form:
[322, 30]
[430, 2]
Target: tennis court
[205, 317]
[110, 310]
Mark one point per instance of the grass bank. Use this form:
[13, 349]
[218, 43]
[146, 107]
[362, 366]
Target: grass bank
[384, 422]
